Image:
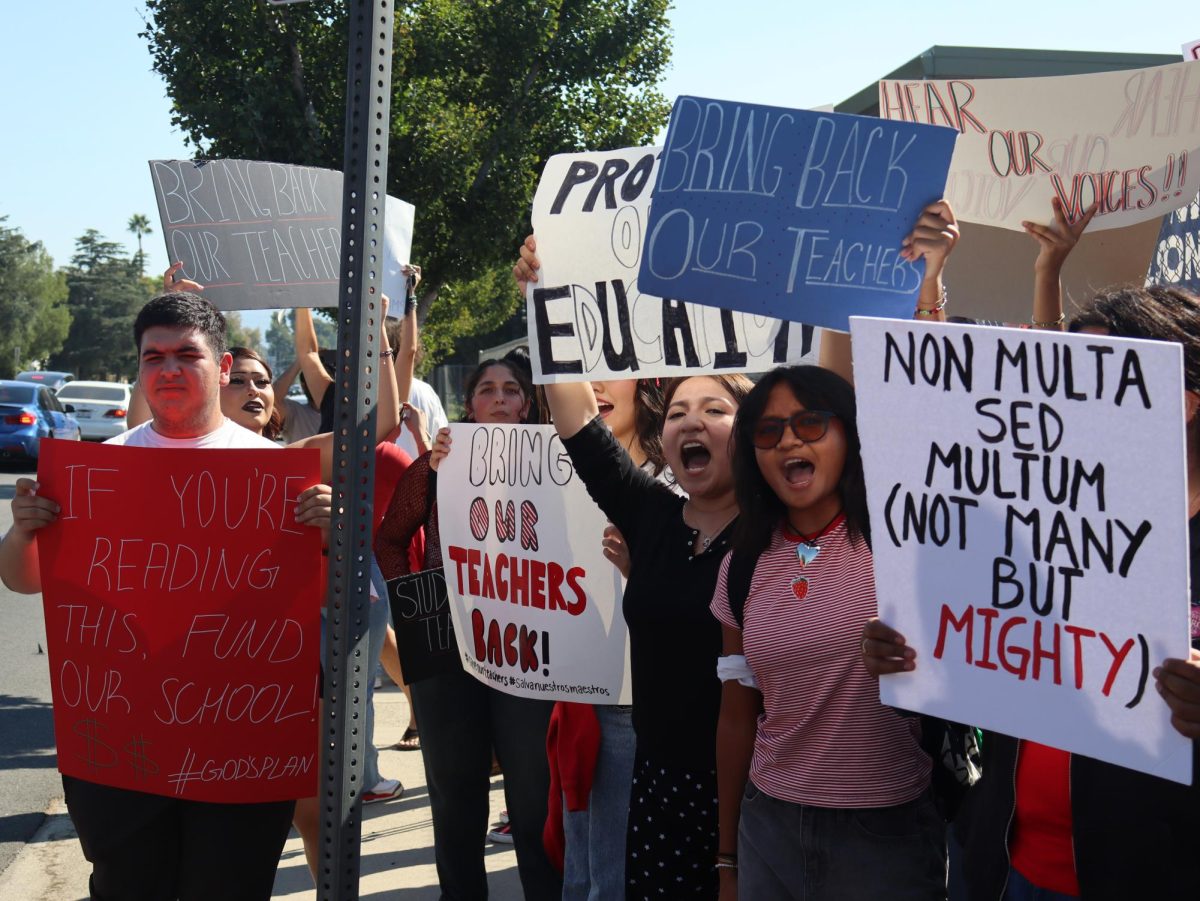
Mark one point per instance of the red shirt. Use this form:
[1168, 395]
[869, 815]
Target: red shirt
[1042, 848]
[390, 463]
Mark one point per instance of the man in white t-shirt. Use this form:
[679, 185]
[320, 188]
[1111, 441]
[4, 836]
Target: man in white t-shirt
[143, 845]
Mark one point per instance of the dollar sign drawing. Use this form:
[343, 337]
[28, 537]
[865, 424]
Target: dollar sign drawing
[139, 761]
[100, 754]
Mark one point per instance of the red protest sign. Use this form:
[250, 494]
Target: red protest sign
[182, 605]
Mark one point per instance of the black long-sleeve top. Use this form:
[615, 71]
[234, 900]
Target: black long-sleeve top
[674, 640]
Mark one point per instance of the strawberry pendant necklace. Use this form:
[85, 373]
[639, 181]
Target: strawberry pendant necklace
[807, 550]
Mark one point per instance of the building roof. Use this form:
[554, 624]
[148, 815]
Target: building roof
[996, 62]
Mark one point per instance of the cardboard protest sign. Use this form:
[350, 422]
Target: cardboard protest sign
[1176, 259]
[789, 213]
[182, 604]
[536, 606]
[260, 235]
[588, 318]
[1023, 546]
[1121, 138]
[421, 618]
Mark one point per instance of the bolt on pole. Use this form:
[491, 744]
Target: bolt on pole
[343, 734]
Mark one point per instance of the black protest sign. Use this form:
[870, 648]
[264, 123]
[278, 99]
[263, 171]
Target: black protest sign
[421, 618]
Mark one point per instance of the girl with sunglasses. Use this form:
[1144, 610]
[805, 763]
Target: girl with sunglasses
[824, 792]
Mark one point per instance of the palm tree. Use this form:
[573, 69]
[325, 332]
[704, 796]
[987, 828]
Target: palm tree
[139, 224]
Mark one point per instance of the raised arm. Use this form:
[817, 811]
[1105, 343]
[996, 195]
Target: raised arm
[388, 400]
[933, 238]
[283, 383]
[572, 404]
[1055, 243]
[308, 356]
[406, 351]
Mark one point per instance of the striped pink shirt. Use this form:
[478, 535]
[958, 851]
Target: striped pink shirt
[824, 738]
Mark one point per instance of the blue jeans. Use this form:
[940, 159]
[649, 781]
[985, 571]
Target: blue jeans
[462, 720]
[796, 852]
[1021, 889]
[594, 866]
[376, 634]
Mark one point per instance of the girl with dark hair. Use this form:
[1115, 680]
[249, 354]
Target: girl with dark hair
[675, 546]
[591, 746]
[249, 399]
[824, 791]
[821, 784]
[462, 719]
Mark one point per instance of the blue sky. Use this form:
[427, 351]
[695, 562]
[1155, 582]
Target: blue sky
[82, 111]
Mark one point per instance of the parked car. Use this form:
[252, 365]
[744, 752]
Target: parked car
[29, 413]
[100, 407]
[52, 380]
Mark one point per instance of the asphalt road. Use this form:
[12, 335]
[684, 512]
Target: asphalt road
[28, 777]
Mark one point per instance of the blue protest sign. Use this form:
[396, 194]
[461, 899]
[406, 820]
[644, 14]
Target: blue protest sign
[1177, 254]
[792, 214]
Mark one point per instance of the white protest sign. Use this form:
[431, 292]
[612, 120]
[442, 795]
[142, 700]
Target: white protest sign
[1028, 502]
[1129, 140]
[536, 607]
[587, 318]
[1192, 50]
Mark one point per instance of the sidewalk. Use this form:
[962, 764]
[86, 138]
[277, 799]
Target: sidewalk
[397, 844]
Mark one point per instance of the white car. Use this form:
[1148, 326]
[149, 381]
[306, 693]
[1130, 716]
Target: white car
[100, 407]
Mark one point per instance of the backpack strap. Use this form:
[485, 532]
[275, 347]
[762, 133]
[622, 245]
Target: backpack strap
[737, 582]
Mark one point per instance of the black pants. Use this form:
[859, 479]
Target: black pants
[462, 720]
[146, 847]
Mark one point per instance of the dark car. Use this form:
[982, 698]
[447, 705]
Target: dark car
[52, 380]
[28, 413]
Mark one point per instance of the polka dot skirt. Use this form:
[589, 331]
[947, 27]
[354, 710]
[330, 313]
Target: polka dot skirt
[671, 845]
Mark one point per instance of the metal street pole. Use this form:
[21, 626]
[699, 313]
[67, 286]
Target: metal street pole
[364, 188]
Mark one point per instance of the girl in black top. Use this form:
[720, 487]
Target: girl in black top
[676, 547]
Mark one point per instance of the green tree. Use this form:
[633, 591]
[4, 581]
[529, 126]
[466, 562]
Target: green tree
[281, 345]
[33, 311]
[237, 334]
[104, 293]
[139, 224]
[482, 95]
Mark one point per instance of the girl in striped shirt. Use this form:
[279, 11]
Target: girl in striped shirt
[823, 791]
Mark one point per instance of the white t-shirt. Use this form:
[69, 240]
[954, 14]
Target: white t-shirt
[424, 398]
[229, 435]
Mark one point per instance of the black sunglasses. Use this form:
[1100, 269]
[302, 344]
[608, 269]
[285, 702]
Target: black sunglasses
[806, 425]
